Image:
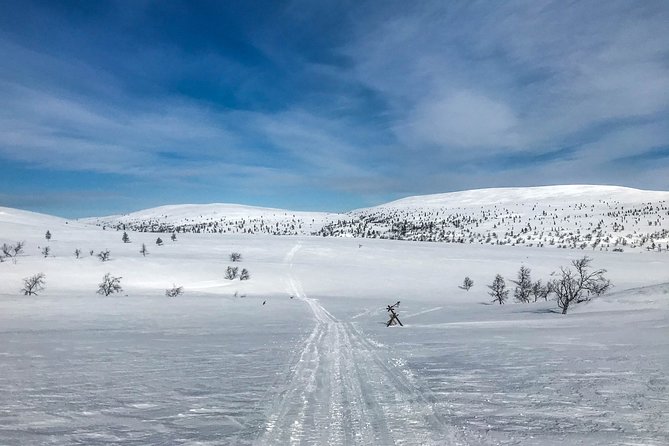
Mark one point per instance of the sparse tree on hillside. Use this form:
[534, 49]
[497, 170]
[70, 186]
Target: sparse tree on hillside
[110, 285]
[231, 273]
[18, 249]
[467, 283]
[6, 250]
[523, 285]
[11, 251]
[498, 290]
[104, 255]
[47, 236]
[174, 237]
[244, 275]
[77, 253]
[578, 285]
[34, 284]
[91, 252]
[45, 251]
[236, 257]
[174, 291]
[125, 238]
[541, 291]
[144, 251]
[159, 241]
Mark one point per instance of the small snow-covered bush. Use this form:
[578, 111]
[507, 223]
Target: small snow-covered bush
[110, 285]
[467, 283]
[231, 272]
[174, 291]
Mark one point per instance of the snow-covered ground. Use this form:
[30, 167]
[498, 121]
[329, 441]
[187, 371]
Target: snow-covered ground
[569, 217]
[217, 366]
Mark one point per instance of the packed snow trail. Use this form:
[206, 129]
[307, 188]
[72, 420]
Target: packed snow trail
[345, 390]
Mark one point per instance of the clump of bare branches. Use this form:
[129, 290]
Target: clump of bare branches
[11, 251]
[174, 291]
[578, 284]
[33, 284]
[110, 285]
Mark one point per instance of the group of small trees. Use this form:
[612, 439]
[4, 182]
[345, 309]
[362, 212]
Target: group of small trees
[570, 285]
[11, 251]
[232, 272]
[110, 284]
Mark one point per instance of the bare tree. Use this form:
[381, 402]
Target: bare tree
[33, 284]
[125, 237]
[110, 285]
[7, 250]
[77, 253]
[104, 255]
[18, 248]
[579, 284]
[45, 251]
[11, 251]
[231, 273]
[236, 257]
[244, 275]
[467, 283]
[498, 290]
[143, 251]
[523, 285]
[174, 237]
[541, 291]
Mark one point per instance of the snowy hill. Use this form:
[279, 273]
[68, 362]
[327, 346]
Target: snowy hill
[574, 216]
[299, 352]
[571, 216]
[217, 218]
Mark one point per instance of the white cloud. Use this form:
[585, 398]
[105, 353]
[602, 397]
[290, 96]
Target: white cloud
[463, 119]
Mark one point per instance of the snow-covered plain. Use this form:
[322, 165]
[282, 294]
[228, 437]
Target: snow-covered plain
[217, 366]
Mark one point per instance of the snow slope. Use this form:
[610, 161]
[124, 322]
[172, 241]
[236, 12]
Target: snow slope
[571, 217]
[561, 194]
[241, 362]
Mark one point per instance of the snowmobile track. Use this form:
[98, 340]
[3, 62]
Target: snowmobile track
[343, 390]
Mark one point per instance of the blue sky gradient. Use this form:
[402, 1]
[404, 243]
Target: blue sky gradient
[114, 106]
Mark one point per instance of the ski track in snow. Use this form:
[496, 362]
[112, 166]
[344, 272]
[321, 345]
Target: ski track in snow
[345, 390]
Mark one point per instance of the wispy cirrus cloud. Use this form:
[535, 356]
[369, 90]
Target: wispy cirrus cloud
[338, 98]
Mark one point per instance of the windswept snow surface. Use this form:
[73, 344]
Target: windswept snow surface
[217, 366]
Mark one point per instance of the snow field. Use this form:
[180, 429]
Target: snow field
[322, 368]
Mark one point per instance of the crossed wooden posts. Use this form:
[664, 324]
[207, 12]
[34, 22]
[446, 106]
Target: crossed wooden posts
[394, 317]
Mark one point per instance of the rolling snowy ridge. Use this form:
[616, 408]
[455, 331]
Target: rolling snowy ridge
[572, 216]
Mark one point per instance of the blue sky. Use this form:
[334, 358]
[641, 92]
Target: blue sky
[110, 107]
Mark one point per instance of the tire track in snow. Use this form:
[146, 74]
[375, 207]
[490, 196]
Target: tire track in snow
[345, 390]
